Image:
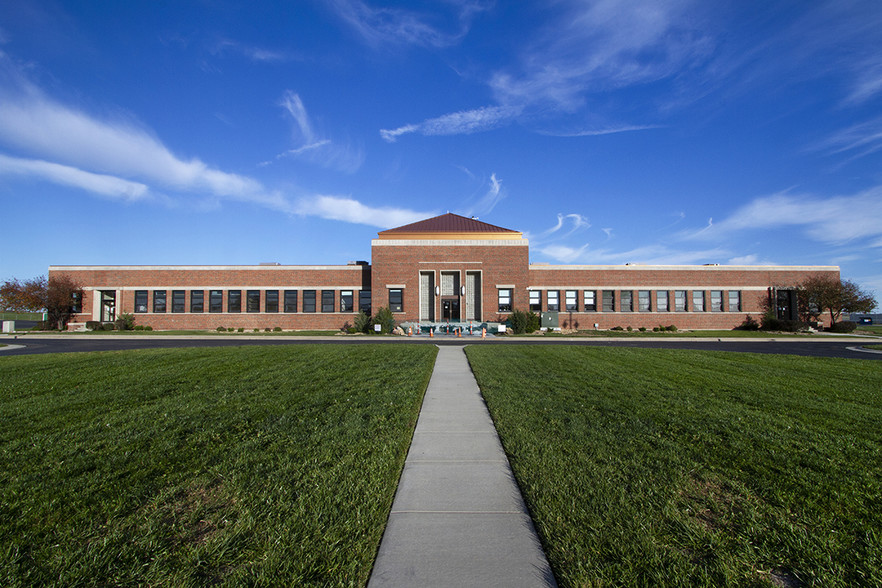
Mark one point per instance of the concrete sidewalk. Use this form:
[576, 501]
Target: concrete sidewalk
[458, 518]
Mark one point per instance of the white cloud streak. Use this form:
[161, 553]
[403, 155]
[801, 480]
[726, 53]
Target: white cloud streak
[100, 184]
[834, 220]
[392, 26]
[352, 211]
[457, 123]
[315, 149]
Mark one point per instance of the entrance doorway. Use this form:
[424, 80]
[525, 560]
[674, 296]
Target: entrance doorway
[450, 309]
[108, 306]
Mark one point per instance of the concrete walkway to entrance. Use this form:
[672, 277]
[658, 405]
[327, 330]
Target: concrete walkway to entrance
[458, 518]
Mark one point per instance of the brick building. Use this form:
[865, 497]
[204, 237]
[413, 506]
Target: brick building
[444, 269]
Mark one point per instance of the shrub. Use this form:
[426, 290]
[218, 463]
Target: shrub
[138, 328]
[347, 328]
[221, 329]
[148, 328]
[657, 329]
[385, 319]
[108, 326]
[267, 330]
[843, 327]
[277, 329]
[629, 328]
[230, 329]
[362, 322]
[533, 322]
[241, 329]
[642, 329]
[93, 325]
[125, 322]
[617, 328]
[672, 328]
[519, 321]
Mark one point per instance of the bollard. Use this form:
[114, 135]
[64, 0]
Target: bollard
[483, 332]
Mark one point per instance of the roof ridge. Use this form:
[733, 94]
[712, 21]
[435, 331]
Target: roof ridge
[449, 222]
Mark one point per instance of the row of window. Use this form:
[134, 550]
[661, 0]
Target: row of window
[644, 302]
[254, 301]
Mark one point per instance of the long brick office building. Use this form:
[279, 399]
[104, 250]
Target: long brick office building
[444, 269]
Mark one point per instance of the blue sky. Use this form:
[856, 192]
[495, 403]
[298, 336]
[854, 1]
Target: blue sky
[609, 132]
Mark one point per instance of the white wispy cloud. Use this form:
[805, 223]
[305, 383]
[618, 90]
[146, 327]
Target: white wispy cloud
[313, 147]
[100, 184]
[603, 45]
[583, 48]
[54, 132]
[117, 159]
[457, 123]
[857, 140]
[252, 52]
[654, 254]
[833, 220]
[600, 132]
[494, 195]
[352, 211]
[379, 26]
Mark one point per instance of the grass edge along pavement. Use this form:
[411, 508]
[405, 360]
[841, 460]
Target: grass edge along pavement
[684, 468]
[248, 465]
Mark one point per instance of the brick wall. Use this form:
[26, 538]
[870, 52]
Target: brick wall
[125, 281]
[505, 263]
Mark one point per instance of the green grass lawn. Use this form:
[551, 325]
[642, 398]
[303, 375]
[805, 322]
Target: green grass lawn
[683, 468]
[249, 466]
[869, 330]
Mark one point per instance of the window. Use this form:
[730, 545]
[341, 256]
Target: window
[159, 300]
[346, 301]
[234, 301]
[661, 301]
[272, 301]
[252, 301]
[627, 301]
[680, 301]
[571, 300]
[609, 301]
[396, 300]
[644, 303]
[698, 301]
[328, 300]
[76, 302]
[140, 300]
[505, 300]
[734, 301]
[197, 301]
[290, 300]
[553, 300]
[364, 301]
[215, 301]
[716, 301]
[309, 301]
[179, 301]
[590, 300]
[536, 300]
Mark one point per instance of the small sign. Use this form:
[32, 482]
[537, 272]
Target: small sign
[501, 328]
[378, 328]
